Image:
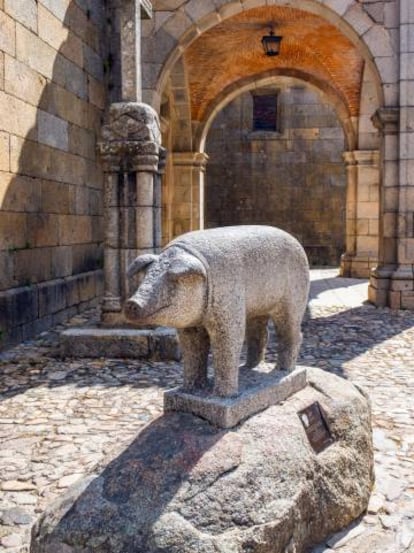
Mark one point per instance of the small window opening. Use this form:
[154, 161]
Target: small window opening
[265, 112]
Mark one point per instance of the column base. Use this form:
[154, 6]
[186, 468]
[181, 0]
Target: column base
[111, 319]
[392, 287]
[379, 284]
[111, 304]
[357, 266]
[401, 295]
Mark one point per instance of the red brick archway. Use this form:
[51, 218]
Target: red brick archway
[221, 53]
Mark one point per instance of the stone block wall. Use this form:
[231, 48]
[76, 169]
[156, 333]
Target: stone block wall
[52, 97]
[294, 178]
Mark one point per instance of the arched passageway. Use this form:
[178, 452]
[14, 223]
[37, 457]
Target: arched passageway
[215, 63]
[195, 55]
[275, 158]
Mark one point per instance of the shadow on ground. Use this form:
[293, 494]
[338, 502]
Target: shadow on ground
[118, 509]
[331, 338]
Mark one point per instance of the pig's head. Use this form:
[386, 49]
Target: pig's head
[172, 292]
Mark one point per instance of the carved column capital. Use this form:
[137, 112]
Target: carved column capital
[192, 159]
[128, 156]
[131, 138]
[349, 158]
[362, 157]
[163, 153]
[386, 120]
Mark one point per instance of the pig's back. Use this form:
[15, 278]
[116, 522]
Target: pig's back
[266, 262]
[243, 246]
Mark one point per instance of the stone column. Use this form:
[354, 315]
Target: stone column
[401, 293]
[386, 120]
[187, 201]
[124, 18]
[130, 150]
[158, 192]
[362, 213]
[351, 215]
[392, 283]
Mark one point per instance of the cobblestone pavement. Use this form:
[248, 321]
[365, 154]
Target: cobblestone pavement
[59, 418]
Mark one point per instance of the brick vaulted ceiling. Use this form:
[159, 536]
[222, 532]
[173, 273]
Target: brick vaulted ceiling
[232, 51]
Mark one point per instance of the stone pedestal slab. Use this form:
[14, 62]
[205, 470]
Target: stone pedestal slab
[258, 389]
[157, 344]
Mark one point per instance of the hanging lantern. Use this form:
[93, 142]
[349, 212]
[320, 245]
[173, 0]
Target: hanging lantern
[271, 44]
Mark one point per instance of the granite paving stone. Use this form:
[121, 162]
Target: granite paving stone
[59, 418]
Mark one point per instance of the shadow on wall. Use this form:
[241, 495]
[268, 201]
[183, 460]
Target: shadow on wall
[51, 226]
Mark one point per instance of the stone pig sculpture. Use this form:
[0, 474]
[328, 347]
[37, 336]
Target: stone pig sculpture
[218, 285]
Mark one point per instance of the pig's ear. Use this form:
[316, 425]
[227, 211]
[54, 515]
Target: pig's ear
[140, 263]
[187, 265]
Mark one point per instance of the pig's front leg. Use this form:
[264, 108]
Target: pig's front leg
[194, 344]
[226, 337]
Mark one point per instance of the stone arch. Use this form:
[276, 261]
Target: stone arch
[178, 31]
[178, 138]
[280, 178]
[165, 39]
[347, 121]
[181, 131]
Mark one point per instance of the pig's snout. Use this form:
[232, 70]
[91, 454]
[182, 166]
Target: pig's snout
[133, 309]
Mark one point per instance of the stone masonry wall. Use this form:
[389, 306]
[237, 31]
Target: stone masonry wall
[293, 178]
[52, 96]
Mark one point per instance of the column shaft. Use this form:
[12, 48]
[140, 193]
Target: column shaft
[362, 213]
[187, 210]
[112, 293]
[401, 293]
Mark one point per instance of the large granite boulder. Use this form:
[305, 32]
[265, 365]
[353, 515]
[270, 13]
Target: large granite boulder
[184, 486]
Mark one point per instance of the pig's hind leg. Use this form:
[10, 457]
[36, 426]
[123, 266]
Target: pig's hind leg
[195, 344]
[289, 338]
[226, 337]
[256, 339]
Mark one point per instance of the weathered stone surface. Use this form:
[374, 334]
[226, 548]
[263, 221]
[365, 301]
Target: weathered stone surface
[45, 163]
[132, 128]
[32, 309]
[15, 515]
[218, 285]
[183, 486]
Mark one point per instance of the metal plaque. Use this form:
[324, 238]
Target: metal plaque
[316, 427]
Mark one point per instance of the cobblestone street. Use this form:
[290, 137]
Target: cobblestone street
[58, 419]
